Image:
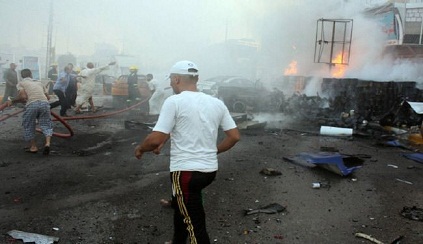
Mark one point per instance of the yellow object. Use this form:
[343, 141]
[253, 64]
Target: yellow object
[133, 67]
[416, 138]
[120, 87]
[77, 70]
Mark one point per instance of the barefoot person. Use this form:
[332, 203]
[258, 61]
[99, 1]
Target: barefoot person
[37, 108]
[191, 120]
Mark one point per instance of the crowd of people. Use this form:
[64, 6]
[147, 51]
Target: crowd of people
[73, 89]
[189, 119]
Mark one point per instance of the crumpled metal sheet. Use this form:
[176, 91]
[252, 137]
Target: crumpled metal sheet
[32, 237]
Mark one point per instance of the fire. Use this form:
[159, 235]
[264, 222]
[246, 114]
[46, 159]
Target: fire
[292, 69]
[338, 69]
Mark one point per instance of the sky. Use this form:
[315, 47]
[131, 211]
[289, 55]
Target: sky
[161, 32]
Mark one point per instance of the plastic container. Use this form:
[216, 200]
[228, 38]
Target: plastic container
[335, 131]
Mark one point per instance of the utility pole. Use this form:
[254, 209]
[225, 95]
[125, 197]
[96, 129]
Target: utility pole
[49, 37]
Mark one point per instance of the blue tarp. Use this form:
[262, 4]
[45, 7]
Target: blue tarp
[418, 157]
[335, 162]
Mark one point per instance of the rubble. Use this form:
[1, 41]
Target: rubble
[32, 237]
[268, 209]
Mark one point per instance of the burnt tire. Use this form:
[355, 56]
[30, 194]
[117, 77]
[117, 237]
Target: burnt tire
[239, 107]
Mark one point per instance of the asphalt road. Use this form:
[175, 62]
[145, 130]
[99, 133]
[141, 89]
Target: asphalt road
[91, 189]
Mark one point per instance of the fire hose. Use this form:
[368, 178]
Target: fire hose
[64, 119]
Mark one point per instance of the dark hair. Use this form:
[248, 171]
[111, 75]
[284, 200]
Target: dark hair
[25, 73]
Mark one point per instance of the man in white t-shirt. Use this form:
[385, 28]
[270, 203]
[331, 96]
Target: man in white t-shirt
[191, 120]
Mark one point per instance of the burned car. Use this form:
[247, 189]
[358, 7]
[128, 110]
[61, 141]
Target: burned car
[241, 94]
[119, 90]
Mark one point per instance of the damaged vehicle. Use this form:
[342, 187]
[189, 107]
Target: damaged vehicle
[241, 94]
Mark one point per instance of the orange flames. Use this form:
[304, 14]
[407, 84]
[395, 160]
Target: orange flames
[338, 69]
[292, 68]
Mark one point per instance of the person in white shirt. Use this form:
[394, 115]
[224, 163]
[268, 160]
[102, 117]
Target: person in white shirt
[191, 120]
[85, 92]
[162, 90]
[37, 107]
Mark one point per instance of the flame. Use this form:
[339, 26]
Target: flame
[292, 68]
[338, 69]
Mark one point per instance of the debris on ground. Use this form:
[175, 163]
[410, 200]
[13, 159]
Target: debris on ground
[417, 157]
[335, 131]
[368, 237]
[268, 209]
[299, 161]
[32, 237]
[270, 172]
[404, 181]
[413, 213]
[335, 162]
[318, 185]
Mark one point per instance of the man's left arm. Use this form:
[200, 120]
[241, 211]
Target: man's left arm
[232, 137]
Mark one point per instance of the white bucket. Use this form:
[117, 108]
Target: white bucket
[335, 131]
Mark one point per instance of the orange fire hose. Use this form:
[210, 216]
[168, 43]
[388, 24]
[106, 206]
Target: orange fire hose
[63, 119]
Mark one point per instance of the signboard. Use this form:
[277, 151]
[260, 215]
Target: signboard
[31, 62]
[387, 23]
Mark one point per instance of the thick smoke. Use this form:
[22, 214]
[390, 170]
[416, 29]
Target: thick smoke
[163, 32]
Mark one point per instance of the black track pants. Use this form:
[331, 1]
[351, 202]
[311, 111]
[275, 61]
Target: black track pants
[189, 217]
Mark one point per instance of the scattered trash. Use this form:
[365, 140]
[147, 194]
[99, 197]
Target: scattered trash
[394, 143]
[397, 131]
[299, 161]
[418, 157]
[353, 179]
[32, 237]
[392, 165]
[317, 185]
[270, 172]
[415, 138]
[335, 162]
[404, 181]
[335, 131]
[413, 213]
[269, 209]
[365, 236]
[55, 228]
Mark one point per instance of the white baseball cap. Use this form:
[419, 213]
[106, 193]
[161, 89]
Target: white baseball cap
[184, 67]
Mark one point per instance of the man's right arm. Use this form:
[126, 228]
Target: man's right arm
[153, 142]
[21, 98]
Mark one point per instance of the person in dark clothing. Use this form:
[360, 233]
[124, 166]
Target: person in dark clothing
[11, 79]
[133, 93]
[60, 90]
[52, 76]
